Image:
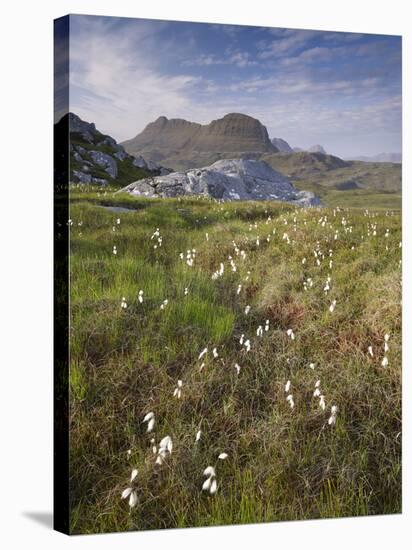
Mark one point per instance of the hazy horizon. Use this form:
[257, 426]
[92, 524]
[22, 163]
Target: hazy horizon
[341, 90]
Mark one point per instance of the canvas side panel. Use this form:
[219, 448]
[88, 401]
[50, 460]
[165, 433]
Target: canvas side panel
[61, 274]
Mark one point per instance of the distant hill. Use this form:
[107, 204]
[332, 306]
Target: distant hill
[382, 157]
[304, 164]
[97, 158]
[323, 174]
[317, 149]
[282, 145]
[182, 144]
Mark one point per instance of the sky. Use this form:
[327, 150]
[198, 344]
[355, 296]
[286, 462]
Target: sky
[341, 90]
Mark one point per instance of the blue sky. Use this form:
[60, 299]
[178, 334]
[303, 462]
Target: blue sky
[342, 90]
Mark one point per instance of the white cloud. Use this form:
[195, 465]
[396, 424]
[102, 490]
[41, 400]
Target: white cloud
[115, 83]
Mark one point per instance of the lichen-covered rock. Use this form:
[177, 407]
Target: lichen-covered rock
[86, 129]
[105, 161]
[109, 141]
[229, 179]
[81, 177]
[121, 154]
[139, 162]
[100, 181]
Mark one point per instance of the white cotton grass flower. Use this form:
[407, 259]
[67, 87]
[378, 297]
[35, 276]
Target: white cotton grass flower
[130, 491]
[178, 390]
[115, 250]
[154, 448]
[123, 303]
[370, 351]
[290, 400]
[241, 339]
[202, 353]
[385, 361]
[150, 419]
[332, 306]
[247, 345]
[165, 447]
[287, 386]
[247, 310]
[164, 303]
[312, 366]
[290, 333]
[333, 413]
[215, 353]
[186, 291]
[266, 325]
[129, 453]
[239, 289]
[140, 296]
[118, 221]
[198, 436]
[210, 484]
[237, 367]
[259, 331]
[322, 402]
[223, 456]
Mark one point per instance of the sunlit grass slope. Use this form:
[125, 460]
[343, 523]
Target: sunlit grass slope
[323, 289]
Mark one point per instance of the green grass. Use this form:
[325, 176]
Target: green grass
[282, 464]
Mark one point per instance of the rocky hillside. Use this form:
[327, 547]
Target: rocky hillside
[181, 144]
[233, 179]
[304, 164]
[317, 149]
[311, 170]
[281, 145]
[97, 158]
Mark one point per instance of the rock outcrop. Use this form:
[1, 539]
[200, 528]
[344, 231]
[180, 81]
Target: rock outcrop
[96, 158]
[317, 149]
[229, 179]
[181, 144]
[281, 145]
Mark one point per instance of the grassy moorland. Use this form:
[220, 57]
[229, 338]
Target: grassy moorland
[316, 339]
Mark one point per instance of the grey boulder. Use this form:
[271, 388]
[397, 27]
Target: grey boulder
[227, 179]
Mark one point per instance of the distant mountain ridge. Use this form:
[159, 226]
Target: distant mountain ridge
[282, 145]
[381, 157]
[182, 144]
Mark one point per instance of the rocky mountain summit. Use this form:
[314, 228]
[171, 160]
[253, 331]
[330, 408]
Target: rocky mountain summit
[97, 158]
[182, 144]
[281, 145]
[317, 149]
[228, 179]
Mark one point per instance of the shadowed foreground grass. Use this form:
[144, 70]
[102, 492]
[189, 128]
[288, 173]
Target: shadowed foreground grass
[283, 463]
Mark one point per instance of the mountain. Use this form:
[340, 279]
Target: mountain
[229, 179]
[97, 158]
[181, 144]
[281, 145]
[317, 149]
[314, 149]
[381, 157]
[303, 164]
[325, 174]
